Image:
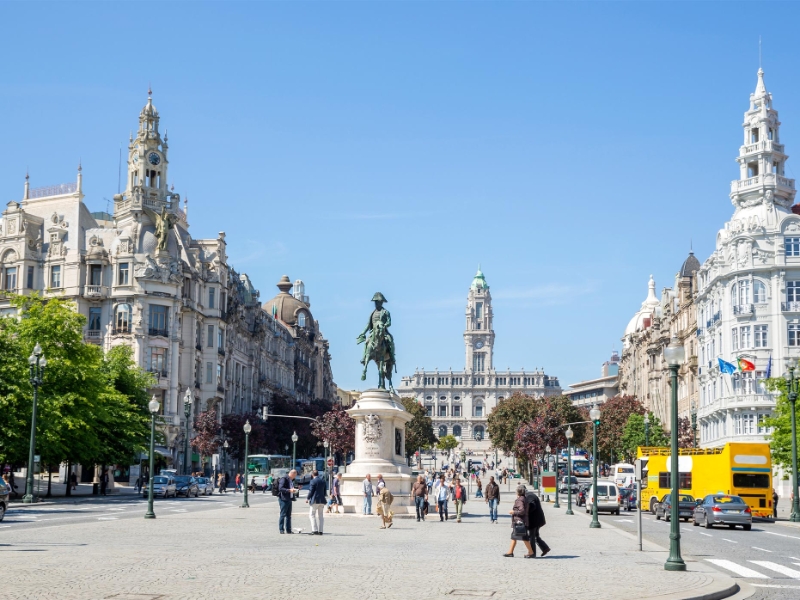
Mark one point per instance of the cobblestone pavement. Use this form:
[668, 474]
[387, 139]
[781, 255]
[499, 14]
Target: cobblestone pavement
[228, 552]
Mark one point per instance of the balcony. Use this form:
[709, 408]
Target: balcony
[158, 373]
[221, 351]
[220, 389]
[700, 332]
[766, 180]
[121, 331]
[96, 291]
[766, 145]
[94, 335]
[790, 306]
[158, 332]
[744, 309]
[738, 402]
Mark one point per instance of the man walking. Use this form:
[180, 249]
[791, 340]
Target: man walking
[103, 482]
[286, 492]
[460, 497]
[774, 504]
[368, 494]
[536, 521]
[336, 494]
[492, 498]
[440, 492]
[419, 492]
[316, 500]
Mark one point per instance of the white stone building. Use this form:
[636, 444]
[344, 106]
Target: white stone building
[191, 319]
[596, 391]
[748, 302]
[459, 402]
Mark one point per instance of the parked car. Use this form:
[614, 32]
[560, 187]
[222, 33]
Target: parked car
[606, 495]
[186, 486]
[205, 486]
[686, 506]
[723, 509]
[582, 490]
[163, 486]
[573, 484]
[627, 498]
[5, 494]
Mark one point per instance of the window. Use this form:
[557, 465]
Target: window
[752, 169]
[754, 135]
[770, 134]
[791, 246]
[219, 374]
[220, 338]
[10, 279]
[55, 276]
[442, 431]
[751, 480]
[794, 334]
[735, 339]
[744, 337]
[479, 310]
[122, 320]
[95, 275]
[428, 410]
[159, 320]
[211, 292]
[479, 410]
[456, 430]
[760, 339]
[456, 411]
[793, 291]
[301, 320]
[442, 411]
[748, 424]
[158, 361]
[209, 372]
[123, 276]
[684, 480]
[94, 318]
[30, 278]
[477, 362]
[210, 342]
[741, 293]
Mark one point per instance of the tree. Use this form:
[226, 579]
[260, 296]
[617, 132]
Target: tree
[633, 435]
[338, 428]
[614, 415]
[536, 435]
[506, 418]
[781, 423]
[233, 430]
[207, 430]
[447, 442]
[419, 431]
[685, 433]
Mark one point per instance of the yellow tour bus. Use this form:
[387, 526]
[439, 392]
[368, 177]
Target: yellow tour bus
[740, 469]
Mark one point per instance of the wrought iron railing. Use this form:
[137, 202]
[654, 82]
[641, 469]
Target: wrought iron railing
[53, 190]
[159, 332]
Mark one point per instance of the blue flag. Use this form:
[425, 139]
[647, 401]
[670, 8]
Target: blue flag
[726, 367]
[769, 366]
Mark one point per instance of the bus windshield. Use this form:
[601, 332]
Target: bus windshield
[261, 464]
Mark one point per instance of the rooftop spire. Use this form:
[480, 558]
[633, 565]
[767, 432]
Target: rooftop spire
[761, 89]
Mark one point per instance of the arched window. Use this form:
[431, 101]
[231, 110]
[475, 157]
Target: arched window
[442, 430]
[759, 292]
[122, 318]
[478, 433]
[479, 409]
[301, 320]
[456, 430]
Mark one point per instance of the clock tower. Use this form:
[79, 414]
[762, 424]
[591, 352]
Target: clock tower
[147, 157]
[479, 335]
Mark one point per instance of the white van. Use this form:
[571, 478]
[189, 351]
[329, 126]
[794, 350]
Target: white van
[607, 497]
[623, 474]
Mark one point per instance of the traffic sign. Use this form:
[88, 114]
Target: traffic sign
[37, 458]
[330, 462]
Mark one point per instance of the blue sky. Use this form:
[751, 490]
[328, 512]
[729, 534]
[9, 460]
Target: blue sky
[572, 149]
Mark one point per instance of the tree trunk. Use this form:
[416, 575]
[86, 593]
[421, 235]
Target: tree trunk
[49, 480]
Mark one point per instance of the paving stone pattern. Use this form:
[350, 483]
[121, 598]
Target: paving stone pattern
[238, 553]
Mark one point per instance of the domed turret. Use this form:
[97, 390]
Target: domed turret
[647, 310]
[690, 265]
[479, 281]
[286, 308]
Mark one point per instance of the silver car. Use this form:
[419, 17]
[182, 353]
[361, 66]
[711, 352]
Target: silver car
[205, 486]
[563, 485]
[163, 486]
[723, 509]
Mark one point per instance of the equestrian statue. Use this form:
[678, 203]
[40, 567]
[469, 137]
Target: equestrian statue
[379, 347]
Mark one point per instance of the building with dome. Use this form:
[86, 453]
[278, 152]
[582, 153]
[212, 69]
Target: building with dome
[642, 370]
[142, 280]
[459, 402]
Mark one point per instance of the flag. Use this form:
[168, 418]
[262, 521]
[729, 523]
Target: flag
[745, 365]
[726, 367]
[769, 366]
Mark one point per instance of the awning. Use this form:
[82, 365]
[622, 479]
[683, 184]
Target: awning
[164, 451]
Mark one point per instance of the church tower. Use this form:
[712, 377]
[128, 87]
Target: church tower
[479, 335]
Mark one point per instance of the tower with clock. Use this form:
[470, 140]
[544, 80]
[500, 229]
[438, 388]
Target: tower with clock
[479, 334]
[147, 157]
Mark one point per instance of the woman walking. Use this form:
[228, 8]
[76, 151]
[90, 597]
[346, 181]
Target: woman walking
[479, 491]
[519, 524]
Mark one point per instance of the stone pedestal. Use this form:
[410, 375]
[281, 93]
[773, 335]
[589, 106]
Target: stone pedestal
[380, 448]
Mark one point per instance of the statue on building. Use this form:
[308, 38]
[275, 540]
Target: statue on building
[163, 222]
[379, 345]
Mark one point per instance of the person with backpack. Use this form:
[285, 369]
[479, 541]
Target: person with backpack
[459, 497]
[286, 492]
[536, 521]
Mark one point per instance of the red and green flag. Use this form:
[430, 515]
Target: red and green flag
[745, 365]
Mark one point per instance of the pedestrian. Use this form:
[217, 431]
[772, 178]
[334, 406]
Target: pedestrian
[103, 482]
[460, 497]
[268, 484]
[419, 491]
[237, 483]
[479, 491]
[137, 487]
[492, 498]
[519, 524]
[441, 491]
[536, 521]
[774, 504]
[379, 485]
[368, 494]
[286, 491]
[336, 494]
[316, 501]
[73, 481]
[384, 508]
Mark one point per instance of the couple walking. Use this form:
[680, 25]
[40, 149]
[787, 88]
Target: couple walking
[527, 518]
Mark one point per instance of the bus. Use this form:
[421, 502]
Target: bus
[739, 469]
[623, 474]
[259, 466]
[580, 466]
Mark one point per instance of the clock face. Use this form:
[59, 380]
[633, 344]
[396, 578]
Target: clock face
[153, 158]
[479, 345]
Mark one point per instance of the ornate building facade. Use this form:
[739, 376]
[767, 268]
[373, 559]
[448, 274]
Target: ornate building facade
[459, 402]
[748, 303]
[141, 279]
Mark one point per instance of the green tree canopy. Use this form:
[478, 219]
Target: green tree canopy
[447, 442]
[633, 435]
[614, 415]
[507, 417]
[419, 431]
[781, 422]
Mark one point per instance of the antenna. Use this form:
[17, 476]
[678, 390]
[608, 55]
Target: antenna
[759, 52]
[119, 171]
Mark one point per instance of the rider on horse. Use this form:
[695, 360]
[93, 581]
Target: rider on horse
[380, 344]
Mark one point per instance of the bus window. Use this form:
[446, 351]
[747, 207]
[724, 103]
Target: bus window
[257, 464]
[750, 480]
[684, 480]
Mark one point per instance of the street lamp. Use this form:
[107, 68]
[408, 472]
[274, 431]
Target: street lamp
[187, 410]
[546, 466]
[555, 469]
[37, 363]
[569, 435]
[224, 460]
[294, 448]
[153, 405]
[674, 355]
[694, 425]
[247, 429]
[594, 415]
[792, 386]
[325, 445]
[646, 429]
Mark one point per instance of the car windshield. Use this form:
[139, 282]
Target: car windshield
[159, 480]
[728, 500]
[686, 498]
[602, 490]
[183, 479]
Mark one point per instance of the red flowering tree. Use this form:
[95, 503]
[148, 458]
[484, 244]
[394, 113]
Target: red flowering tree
[614, 415]
[685, 433]
[534, 436]
[206, 441]
[338, 428]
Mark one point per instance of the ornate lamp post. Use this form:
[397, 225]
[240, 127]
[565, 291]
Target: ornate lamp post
[294, 448]
[694, 425]
[247, 429]
[555, 468]
[792, 386]
[325, 444]
[674, 355]
[37, 363]
[187, 410]
[594, 415]
[153, 406]
[546, 464]
[224, 458]
[569, 435]
[646, 429]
